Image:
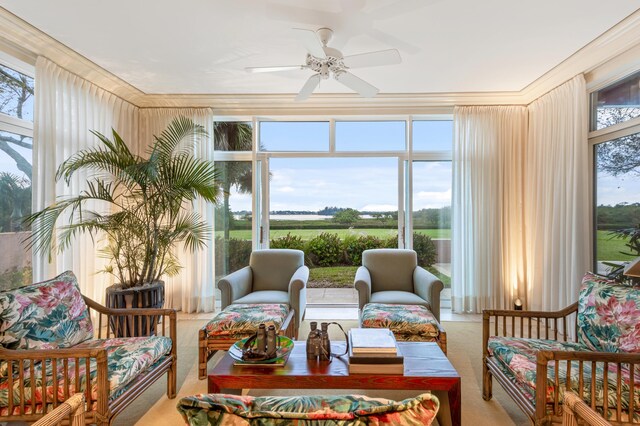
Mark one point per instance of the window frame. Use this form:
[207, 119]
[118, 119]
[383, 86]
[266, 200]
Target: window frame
[596, 137]
[14, 124]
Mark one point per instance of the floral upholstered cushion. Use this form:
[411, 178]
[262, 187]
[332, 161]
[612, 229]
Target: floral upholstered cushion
[126, 359]
[46, 315]
[608, 315]
[407, 322]
[238, 321]
[517, 359]
[217, 409]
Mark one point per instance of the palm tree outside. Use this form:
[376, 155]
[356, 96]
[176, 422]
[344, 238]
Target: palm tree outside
[232, 136]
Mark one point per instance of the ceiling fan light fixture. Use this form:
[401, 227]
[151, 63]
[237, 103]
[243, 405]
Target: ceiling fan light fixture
[329, 62]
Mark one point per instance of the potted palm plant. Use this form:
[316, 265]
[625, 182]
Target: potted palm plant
[138, 204]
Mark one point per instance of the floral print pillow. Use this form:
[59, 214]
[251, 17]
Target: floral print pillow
[338, 410]
[46, 315]
[608, 315]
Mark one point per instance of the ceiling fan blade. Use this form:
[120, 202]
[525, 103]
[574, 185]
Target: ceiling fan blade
[356, 83]
[373, 59]
[308, 87]
[311, 42]
[274, 69]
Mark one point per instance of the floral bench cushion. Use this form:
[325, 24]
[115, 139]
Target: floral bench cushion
[126, 359]
[47, 315]
[517, 359]
[238, 321]
[407, 322]
[608, 315]
[215, 409]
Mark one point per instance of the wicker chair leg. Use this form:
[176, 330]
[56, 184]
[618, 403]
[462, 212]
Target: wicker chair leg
[172, 380]
[203, 353]
[487, 382]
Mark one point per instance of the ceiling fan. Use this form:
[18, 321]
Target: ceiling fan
[328, 62]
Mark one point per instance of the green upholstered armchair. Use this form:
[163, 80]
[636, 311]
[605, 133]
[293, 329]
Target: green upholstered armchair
[393, 276]
[273, 276]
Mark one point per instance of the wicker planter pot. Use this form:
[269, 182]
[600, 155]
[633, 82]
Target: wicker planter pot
[146, 296]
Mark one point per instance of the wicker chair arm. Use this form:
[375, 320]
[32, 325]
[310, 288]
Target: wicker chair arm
[60, 353]
[142, 312]
[74, 406]
[562, 313]
[569, 358]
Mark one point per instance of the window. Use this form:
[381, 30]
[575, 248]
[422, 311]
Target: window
[617, 103]
[370, 136]
[294, 136]
[232, 223]
[232, 136]
[336, 187]
[617, 180]
[16, 131]
[433, 135]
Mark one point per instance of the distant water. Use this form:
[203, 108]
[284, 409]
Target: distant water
[303, 217]
[299, 217]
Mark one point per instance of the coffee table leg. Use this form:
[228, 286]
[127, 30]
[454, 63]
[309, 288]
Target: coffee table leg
[455, 404]
[212, 386]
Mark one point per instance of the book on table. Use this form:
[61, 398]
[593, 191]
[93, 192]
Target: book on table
[373, 341]
[381, 358]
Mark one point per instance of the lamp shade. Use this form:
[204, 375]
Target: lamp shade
[633, 268]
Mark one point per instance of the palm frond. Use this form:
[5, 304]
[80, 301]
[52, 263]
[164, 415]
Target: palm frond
[177, 131]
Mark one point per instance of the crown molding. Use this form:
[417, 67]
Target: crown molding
[598, 53]
[339, 104]
[22, 36]
[611, 55]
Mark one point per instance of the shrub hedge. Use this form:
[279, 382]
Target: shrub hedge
[326, 249]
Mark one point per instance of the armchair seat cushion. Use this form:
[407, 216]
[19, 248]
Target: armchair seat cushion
[264, 297]
[345, 410]
[517, 359]
[398, 298]
[127, 358]
[238, 321]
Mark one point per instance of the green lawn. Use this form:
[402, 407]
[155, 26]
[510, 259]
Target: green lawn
[307, 234]
[335, 276]
[609, 248]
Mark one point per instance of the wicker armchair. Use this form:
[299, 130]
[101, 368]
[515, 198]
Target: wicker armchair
[33, 382]
[526, 351]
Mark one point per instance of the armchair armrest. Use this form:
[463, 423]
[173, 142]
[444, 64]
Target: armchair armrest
[74, 407]
[235, 285]
[362, 283]
[428, 286]
[20, 371]
[613, 365]
[118, 316]
[575, 408]
[298, 292]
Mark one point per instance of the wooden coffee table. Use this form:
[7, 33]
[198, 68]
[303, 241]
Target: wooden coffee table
[425, 368]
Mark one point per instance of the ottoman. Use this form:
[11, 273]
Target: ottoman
[236, 322]
[409, 323]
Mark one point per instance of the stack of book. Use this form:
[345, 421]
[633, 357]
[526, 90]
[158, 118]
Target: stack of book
[374, 351]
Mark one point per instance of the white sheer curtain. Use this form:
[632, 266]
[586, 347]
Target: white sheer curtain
[558, 199]
[66, 108]
[487, 246]
[193, 289]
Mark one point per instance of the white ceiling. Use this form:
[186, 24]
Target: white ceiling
[202, 46]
